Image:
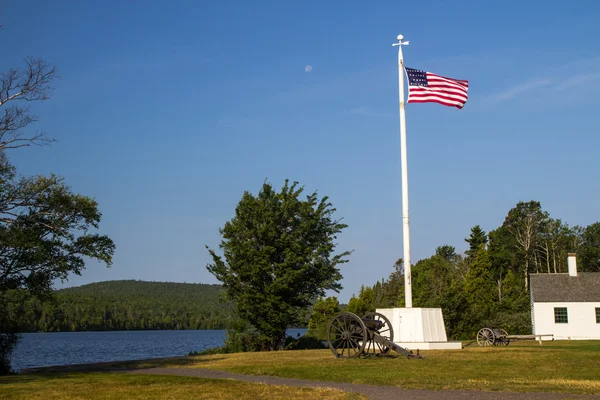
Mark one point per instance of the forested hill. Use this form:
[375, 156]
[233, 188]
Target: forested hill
[130, 305]
[196, 291]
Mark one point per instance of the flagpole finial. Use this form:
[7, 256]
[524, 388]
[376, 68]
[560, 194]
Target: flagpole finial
[400, 42]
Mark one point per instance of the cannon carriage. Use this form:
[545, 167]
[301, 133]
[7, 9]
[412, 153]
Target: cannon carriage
[492, 337]
[349, 336]
[499, 337]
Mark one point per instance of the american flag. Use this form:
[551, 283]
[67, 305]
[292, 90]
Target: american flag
[425, 87]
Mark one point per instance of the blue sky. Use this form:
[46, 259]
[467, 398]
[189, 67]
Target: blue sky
[167, 111]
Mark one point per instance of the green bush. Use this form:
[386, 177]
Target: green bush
[248, 340]
[239, 341]
[305, 342]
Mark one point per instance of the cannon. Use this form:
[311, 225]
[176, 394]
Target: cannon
[349, 336]
[499, 337]
[492, 337]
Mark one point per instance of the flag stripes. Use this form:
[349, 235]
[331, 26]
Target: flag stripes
[425, 87]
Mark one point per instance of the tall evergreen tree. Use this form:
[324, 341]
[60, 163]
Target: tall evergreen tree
[479, 286]
[446, 252]
[477, 238]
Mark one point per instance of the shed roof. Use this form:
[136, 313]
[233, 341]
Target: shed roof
[585, 287]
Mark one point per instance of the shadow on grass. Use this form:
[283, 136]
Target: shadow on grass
[113, 366]
[36, 378]
[15, 378]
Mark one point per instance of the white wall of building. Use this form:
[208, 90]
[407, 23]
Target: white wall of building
[582, 320]
[416, 324]
[419, 328]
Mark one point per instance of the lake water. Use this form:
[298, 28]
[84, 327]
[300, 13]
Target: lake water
[46, 349]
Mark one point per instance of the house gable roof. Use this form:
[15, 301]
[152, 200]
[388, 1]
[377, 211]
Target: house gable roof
[585, 287]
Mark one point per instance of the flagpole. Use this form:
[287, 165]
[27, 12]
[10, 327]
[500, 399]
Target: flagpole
[404, 164]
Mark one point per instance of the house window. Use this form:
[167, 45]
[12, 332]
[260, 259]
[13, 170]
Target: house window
[560, 315]
[598, 315]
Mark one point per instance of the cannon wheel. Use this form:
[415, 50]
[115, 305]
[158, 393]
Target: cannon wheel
[346, 335]
[503, 339]
[485, 337]
[386, 331]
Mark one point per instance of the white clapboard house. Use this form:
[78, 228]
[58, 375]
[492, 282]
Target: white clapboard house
[566, 305]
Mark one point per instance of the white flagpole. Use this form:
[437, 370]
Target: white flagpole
[405, 220]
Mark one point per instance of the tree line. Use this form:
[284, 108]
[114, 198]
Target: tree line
[123, 305]
[488, 286]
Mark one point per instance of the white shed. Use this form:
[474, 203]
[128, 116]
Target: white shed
[566, 305]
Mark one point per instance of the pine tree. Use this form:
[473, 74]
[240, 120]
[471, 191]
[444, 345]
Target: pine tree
[479, 287]
[477, 238]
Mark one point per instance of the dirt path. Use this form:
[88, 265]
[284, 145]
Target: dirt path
[371, 391]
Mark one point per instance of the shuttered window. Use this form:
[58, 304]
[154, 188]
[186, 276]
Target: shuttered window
[598, 315]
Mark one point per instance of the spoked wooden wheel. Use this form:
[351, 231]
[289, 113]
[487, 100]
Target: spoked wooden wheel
[382, 327]
[346, 335]
[485, 337]
[502, 339]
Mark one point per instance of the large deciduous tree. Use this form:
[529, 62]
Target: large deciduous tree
[590, 248]
[322, 313]
[364, 303]
[278, 257]
[433, 276]
[46, 230]
[19, 87]
[526, 222]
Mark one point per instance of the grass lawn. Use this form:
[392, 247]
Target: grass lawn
[119, 386]
[559, 366]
